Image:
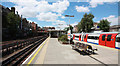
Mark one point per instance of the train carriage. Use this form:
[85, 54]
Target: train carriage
[109, 39]
[93, 38]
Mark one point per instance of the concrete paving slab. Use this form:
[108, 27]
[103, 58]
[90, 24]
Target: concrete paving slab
[55, 53]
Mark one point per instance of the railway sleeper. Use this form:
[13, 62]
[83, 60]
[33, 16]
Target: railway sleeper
[13, 48]
[26, 54]
[19, 54]
[13, 57]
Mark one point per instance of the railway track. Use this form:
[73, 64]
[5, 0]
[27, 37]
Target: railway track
[19, 57]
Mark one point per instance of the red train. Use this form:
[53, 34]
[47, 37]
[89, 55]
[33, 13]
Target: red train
[109, 39]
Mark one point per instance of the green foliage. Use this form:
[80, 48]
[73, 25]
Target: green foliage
[13, 22]
[86, 23]
[63, 38]
[67, 28]
[104, 25]
[4, 21]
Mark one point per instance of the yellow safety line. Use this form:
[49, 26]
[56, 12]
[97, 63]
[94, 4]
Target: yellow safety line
[45, 52]
[36, 53]
[100, 45]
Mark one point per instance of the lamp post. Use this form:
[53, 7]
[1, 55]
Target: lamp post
[69, 22]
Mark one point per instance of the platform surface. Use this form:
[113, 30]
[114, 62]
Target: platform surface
[52, 52]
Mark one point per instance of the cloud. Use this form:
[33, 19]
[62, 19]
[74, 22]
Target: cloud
[75, 23]
[49, 17]
[94, 3]
[63, 17]
[42, 10]
[60, 24]
[60, 6]
[33, 7]
[26, 11]
[113, 19]
[25, 3]
[63, 23]
[82, 9]
[30, 20]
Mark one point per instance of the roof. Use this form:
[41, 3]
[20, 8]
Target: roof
[95, 23]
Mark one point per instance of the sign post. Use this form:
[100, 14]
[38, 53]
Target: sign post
[69, 32]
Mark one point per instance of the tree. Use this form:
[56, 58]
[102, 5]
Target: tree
[13, 23]
[67, 28]
[104, 25]
[86, 23]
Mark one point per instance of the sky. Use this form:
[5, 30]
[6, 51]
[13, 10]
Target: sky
[52, 13]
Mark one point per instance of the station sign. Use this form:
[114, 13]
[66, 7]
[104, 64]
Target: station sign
[69, 34]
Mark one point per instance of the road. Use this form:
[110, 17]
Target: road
[52, 52]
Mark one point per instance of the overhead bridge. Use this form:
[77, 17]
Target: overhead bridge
[56, 33]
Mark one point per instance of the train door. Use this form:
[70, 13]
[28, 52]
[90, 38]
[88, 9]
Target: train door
[85, 38]
[110, 42]
[102, 39]
[79, 37]
[107, 40]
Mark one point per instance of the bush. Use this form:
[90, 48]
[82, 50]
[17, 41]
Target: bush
[63, 38]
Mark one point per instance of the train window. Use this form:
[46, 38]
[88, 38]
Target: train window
[118, 39]
[76, 36]
[109, 37]
[92, 37]
[103, 37]
[96, 37]
[88, 37]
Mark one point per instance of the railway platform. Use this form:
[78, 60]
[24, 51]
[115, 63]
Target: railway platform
[52, 52]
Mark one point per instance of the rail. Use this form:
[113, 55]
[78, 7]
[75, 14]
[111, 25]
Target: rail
[20, 56]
